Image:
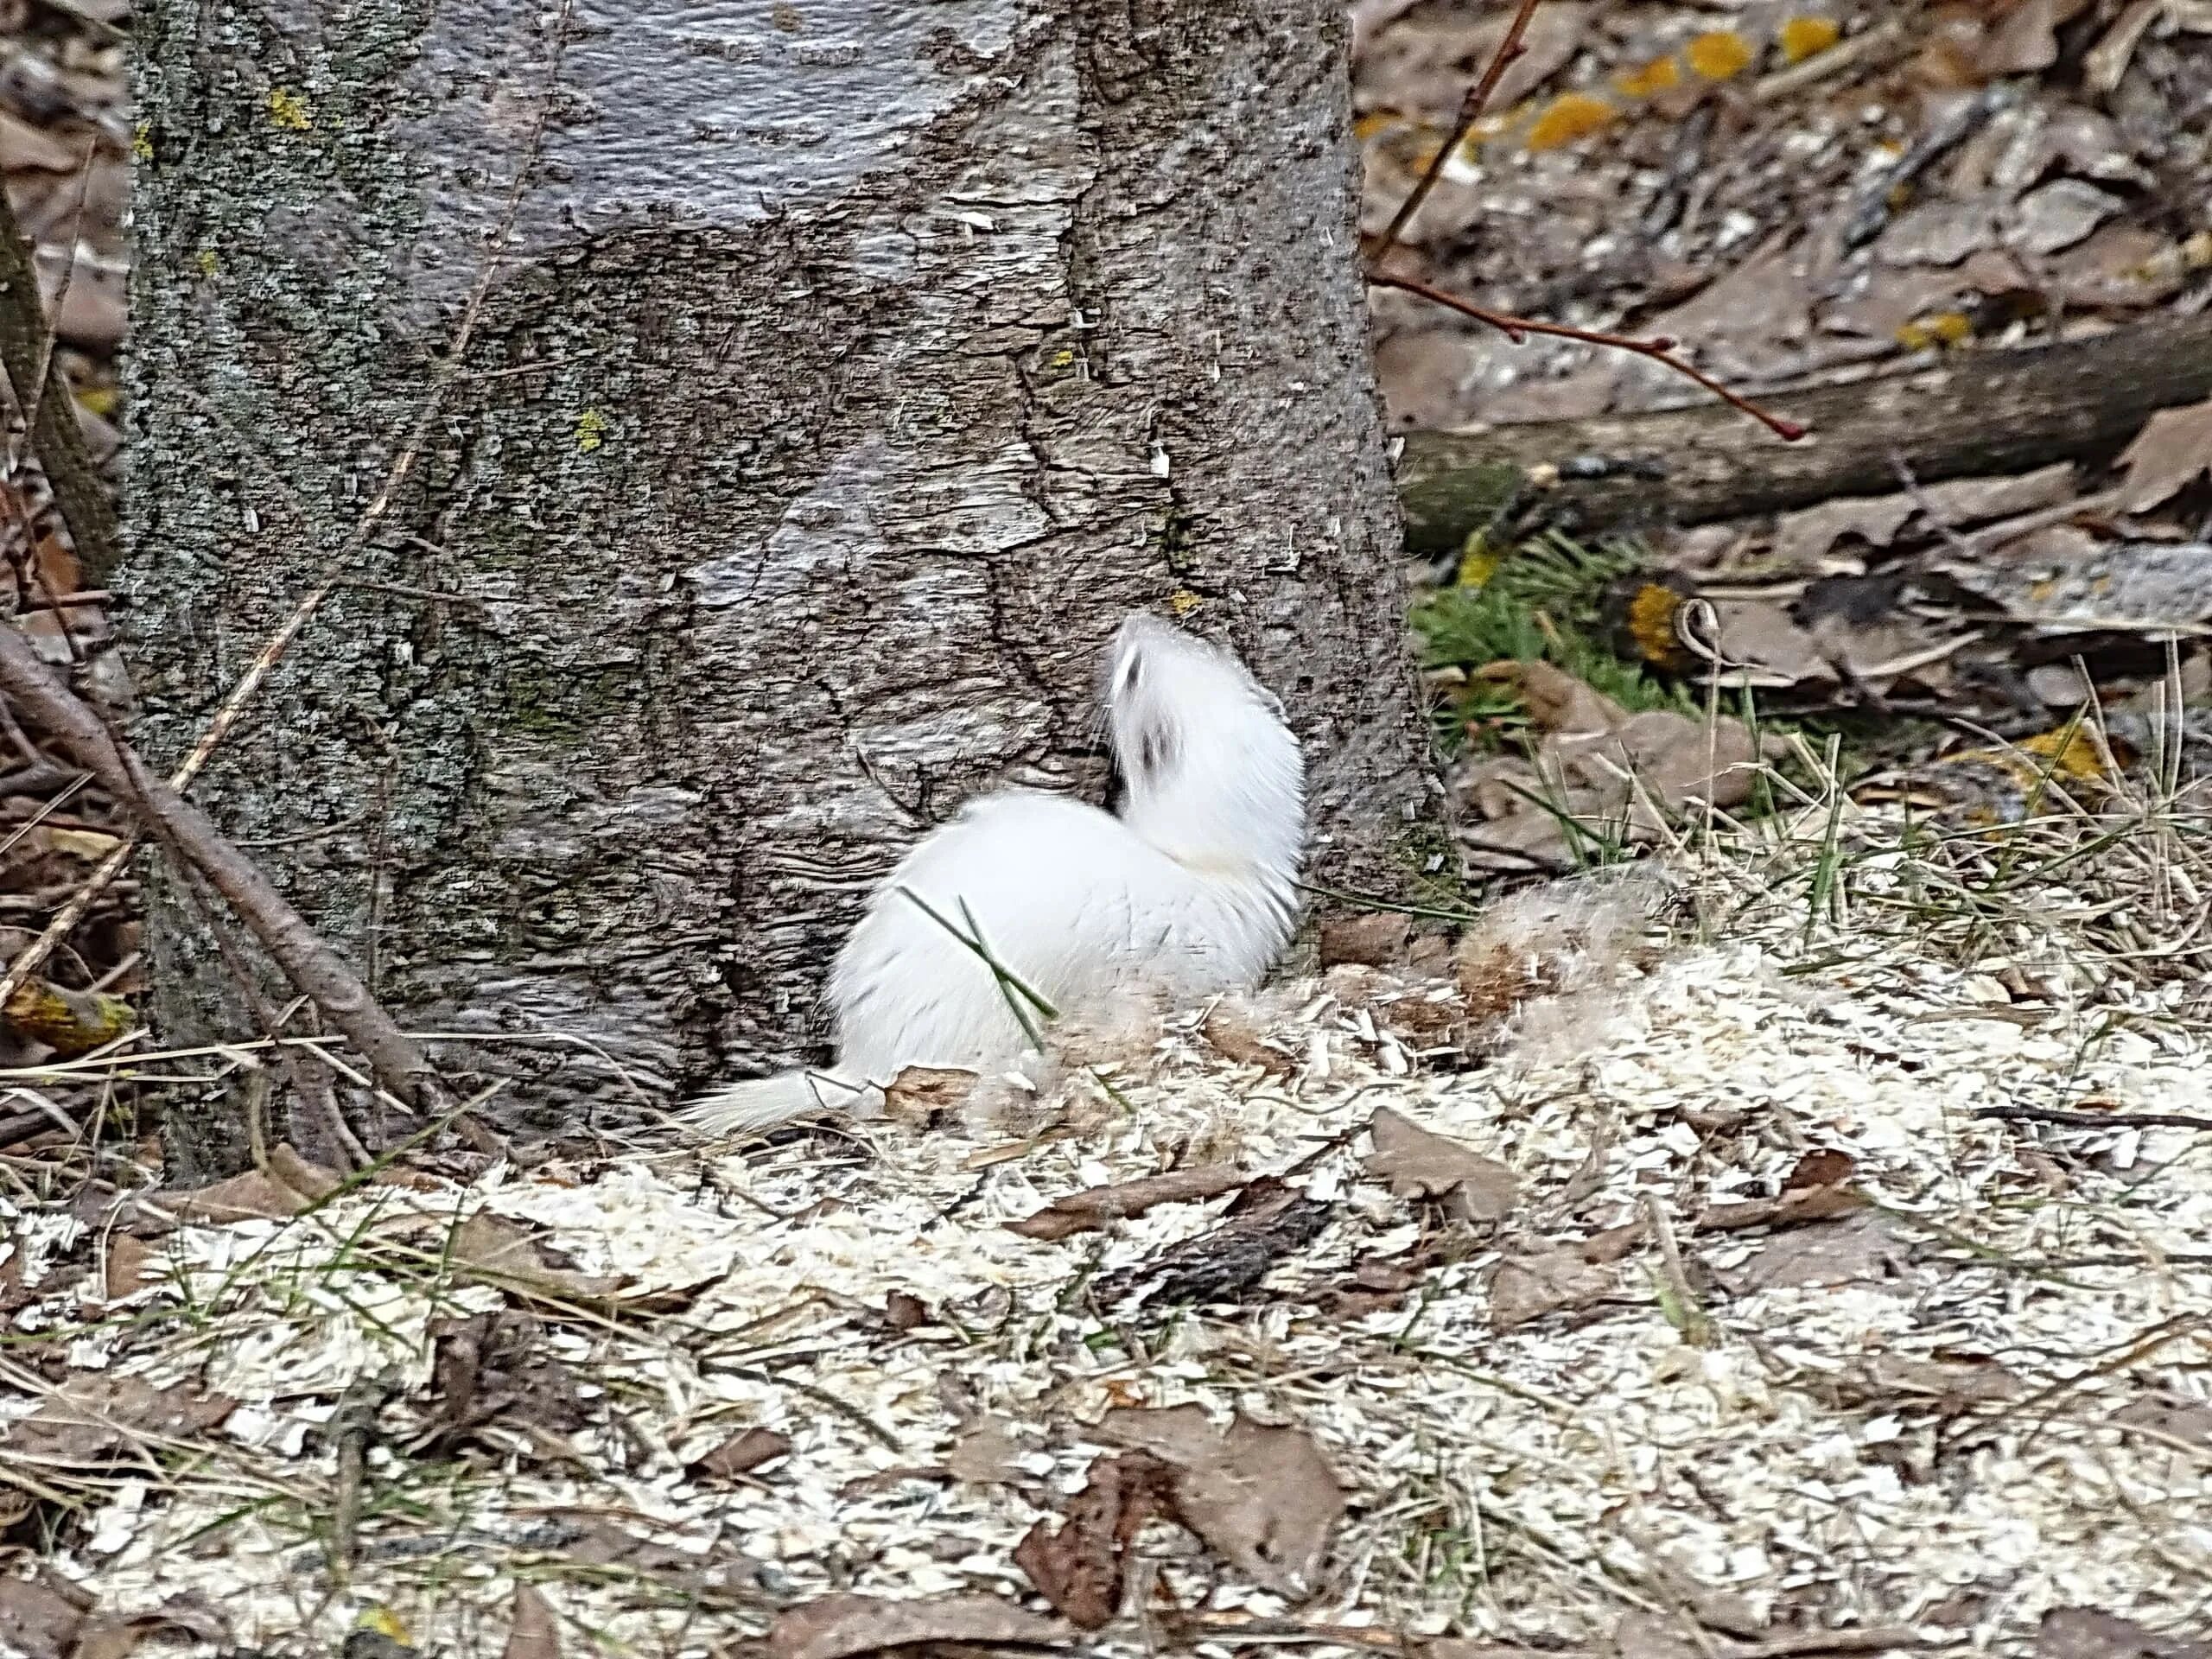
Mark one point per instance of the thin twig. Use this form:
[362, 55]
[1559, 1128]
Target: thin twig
[1659, 350]
[1471, 111]
[2096, 1120]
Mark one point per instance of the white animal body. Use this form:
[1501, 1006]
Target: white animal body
[1190, 890]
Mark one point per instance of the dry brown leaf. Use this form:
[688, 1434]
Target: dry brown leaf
[2173, 450]
[125, 1273]
[493, 1250]
[2087, 1633]
[1817, 1189]
[2175, 1419]
[41, 1618]
[1238, 1038]
[1377, 939]
[1419, 1165]
[987, 1455]
[742, 1454]
[839, 1627]
[1079, 1565]
[1553, 1279]
[1860, 1247]
[253, 1196]
[533, 1633]
[92, 1418]
[1264, 1499]
[2024, 43]
[1097, 1207]
[920, 1091]
[23, 146]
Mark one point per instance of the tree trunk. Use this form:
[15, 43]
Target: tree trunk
[849, 372]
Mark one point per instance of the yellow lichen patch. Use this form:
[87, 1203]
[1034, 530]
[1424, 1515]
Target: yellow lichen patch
[1938, 329]
[592, 428]
[1805, 37]
[1718, 55]
[98, 400]
[206, 260]
[1183, 601]
[2071, 751]
[1650, 624]
[68, 1022]
[288, 110]
[142, 142]
[384, 1622]
[1660, 76]
[1479, 563]
[1567, 118]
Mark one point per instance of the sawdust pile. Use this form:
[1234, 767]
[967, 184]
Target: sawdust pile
[1699, 1259]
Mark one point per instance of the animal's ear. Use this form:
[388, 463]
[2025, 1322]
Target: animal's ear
[1128, 671]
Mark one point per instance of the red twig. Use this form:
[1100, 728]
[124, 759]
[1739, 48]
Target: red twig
[1471, 111]
[1659, 350]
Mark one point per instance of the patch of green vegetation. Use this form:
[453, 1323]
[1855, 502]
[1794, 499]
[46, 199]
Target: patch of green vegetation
[1540, 600]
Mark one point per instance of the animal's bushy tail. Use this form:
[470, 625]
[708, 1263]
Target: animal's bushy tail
[762, 1102]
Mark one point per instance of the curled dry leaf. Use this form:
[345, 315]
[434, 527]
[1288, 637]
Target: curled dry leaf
[1099, 1206]
[1264, 1499]
[1080, 1565]
[1419, 1165]
[839, 1627]
[534, 1633]
[742, 1453]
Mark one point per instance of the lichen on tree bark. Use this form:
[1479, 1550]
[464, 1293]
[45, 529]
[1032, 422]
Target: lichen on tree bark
[849, 372]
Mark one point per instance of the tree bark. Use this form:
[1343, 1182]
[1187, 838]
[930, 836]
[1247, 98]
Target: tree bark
[850, 372]
[1976, 415]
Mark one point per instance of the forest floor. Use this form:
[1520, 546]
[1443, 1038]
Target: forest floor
[1802, 1250]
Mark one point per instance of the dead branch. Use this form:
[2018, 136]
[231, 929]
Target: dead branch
[1977, 413]
[1471, 111]
[1512, 326]
[313, 967]
[55, 436]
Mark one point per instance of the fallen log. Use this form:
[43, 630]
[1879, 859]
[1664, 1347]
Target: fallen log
[1975, 414]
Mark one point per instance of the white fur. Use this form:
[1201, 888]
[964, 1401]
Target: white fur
[1190, 892]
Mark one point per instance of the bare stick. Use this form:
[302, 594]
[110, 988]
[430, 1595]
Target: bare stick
[2094, 1120]
[26, 352]
[310, 965]
[1471, 111]
[1660, 350]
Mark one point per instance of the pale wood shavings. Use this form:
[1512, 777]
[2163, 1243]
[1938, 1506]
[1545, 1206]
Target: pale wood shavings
[1819, 1460]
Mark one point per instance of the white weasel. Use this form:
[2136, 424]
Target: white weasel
[1191, 891]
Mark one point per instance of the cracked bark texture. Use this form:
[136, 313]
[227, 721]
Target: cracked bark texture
[852, 369]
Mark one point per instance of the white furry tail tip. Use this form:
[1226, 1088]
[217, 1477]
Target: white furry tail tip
[765, 1102]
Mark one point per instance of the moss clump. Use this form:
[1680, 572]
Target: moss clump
[1540, 600]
